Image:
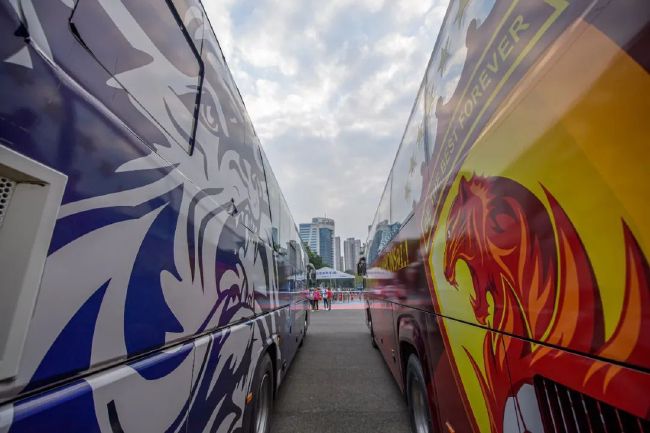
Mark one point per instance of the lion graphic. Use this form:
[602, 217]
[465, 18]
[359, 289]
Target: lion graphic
[529, 259]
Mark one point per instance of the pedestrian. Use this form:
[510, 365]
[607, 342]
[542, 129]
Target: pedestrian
[317, 297]
[310, 296]
[329, 298]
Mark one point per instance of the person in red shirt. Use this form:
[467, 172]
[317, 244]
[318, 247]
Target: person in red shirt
[329, 298]
[317, 297]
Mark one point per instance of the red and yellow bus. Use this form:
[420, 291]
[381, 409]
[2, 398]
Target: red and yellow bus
[508, 278]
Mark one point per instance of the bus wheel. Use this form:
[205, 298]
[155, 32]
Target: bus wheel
[416, 393]
[372, 336]
[262, 402]
[304, 329]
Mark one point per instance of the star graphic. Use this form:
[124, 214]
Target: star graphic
[460, 13]
[420, 138]
[444, 57]
[412, 165]
[431, 91]
[430, 106]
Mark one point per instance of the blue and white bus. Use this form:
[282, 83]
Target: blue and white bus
[151, 274]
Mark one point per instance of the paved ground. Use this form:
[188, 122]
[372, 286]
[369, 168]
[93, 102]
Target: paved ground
[338, 382]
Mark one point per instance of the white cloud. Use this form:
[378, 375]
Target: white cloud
[329, 87]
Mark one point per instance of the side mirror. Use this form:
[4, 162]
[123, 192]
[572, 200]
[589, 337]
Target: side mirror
[311, 275]
[361, 267]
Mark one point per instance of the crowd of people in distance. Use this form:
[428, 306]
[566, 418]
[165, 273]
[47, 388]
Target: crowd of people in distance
[325, 294]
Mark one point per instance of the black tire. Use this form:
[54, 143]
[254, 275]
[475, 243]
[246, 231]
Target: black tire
[372, 333]
[304, 329]
[417, 397]
[260, 408]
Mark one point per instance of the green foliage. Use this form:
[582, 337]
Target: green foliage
[314, 258]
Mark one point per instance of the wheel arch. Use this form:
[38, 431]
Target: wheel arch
[410, 337]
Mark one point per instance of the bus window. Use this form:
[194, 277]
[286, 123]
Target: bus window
[273, 236]
[383, 230]
[430, 119]
[151, 56]
[407, 169]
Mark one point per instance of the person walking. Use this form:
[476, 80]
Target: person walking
[329, 298]
[310, 296]
[317, 297]
[326, 299]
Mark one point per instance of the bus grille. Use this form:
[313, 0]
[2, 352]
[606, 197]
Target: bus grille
[567, 411]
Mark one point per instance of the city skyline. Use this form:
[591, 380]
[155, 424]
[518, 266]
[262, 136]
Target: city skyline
[321, 237]
[305, 94]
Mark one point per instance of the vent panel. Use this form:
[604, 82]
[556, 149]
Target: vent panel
[568, 411]
[7, 188]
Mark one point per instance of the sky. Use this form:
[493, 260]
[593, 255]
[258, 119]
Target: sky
[329, 86]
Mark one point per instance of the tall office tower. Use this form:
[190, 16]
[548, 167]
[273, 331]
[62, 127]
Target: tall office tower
[338, 260]
[352, 252]
[305, 236]
[319, 235]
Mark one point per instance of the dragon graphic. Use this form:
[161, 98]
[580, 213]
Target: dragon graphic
[527, 260]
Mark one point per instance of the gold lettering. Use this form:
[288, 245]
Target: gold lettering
[494, 66]
[461, 119]
[517, 27]
[468, 108]
[505, 48]
[484, 79]
[406, 247]
[476, 93]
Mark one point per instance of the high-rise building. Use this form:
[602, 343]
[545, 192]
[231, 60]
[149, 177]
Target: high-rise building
[338, 259]
[305, 236]
[352, 252]
[319, 235]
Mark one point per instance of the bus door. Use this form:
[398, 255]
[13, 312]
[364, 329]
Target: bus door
[383, 324]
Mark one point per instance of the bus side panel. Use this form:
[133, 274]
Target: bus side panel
[224, 368]
[148, 248]
[383, 325]
[203, 383]
[536, 210]
[557, 390]
[449, 402]
[120, 399]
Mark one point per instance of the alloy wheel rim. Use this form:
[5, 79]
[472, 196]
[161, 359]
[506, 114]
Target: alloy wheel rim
[263, 405]
[419, 408]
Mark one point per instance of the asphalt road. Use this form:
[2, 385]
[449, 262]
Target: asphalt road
[338, 382]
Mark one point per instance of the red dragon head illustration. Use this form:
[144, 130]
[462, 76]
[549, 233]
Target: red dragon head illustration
[505, 236]
[530, 260]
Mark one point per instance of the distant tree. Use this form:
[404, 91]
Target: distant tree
[314, 258]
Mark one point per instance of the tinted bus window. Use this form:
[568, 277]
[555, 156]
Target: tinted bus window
[407, 169]
[286, 225]
[273, 237]
[150, 55]
[430, 118]
[383, 230]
